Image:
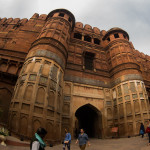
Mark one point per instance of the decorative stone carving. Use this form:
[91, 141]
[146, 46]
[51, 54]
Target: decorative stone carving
[28, 92]
[109, 113]
[32, 77]
[53, 85]
[23, 126]
[132, 87]
[128, 109]
[51, 98]
[119, 91]
[125, 89]
[46, 68]
[40, 98]
[136, 106]
[43, 80]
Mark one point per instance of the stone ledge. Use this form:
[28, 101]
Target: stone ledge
[16, 142]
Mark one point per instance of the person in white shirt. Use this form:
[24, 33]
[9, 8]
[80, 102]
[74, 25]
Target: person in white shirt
[37, 142]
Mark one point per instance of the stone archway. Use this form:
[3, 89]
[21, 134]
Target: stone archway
[90, 119]
[5, 99]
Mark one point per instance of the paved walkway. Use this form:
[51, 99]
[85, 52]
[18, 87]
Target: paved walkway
[133, 143]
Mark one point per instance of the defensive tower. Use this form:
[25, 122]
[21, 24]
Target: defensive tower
[39, 88]
[128, 90]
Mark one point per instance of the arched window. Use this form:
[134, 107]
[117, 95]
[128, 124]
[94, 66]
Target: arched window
[28, 92]
[87, 38]
[51, 99]
[96, 41]
[69, 19]
[77, 36]
[40, 95]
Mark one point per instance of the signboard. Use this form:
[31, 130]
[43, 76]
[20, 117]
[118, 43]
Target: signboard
[114, 129]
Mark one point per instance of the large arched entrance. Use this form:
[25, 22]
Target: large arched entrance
[89, 118]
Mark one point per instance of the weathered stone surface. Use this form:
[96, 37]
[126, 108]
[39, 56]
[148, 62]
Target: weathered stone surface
[57, 73]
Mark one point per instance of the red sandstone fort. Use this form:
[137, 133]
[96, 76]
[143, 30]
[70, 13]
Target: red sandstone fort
[57, 73]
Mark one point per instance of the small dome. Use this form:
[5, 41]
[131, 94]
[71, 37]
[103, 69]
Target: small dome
[64, 11]
[115, 29]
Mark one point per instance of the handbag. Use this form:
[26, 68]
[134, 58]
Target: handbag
[66, 142]
[141, 132]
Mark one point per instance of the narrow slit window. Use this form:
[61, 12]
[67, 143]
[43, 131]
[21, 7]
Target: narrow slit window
[124, 36]
[77, 36]
[61, 14]
[116, 35]
[88, 60]
[69, 19]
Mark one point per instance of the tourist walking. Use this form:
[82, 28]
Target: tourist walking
[82, 140]
[148, 131]
[142, 130]
[67, 140]
[37, 142]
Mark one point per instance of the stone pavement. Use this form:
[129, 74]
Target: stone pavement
[133, 143]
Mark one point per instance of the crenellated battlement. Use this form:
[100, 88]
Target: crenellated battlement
[61, 69]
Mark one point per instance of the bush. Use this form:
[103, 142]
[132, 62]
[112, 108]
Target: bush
[4, 131]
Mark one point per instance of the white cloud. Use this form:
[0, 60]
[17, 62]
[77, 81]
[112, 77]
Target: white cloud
[131, 15]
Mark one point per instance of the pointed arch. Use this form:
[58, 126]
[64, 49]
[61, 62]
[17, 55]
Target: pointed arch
[28, 92]
[36, 125]
[23, 125]
[40, 95]
[90, 119]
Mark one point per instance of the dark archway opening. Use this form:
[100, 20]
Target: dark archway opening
[5, 99]
[89, 118]
[87, 38]
[77, 36]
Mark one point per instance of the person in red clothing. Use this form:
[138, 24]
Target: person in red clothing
[148, 131]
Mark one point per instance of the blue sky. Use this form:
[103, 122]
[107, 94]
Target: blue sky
[130, 15]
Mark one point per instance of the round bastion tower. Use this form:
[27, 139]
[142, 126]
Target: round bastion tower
[38, 94]
[130, 103]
